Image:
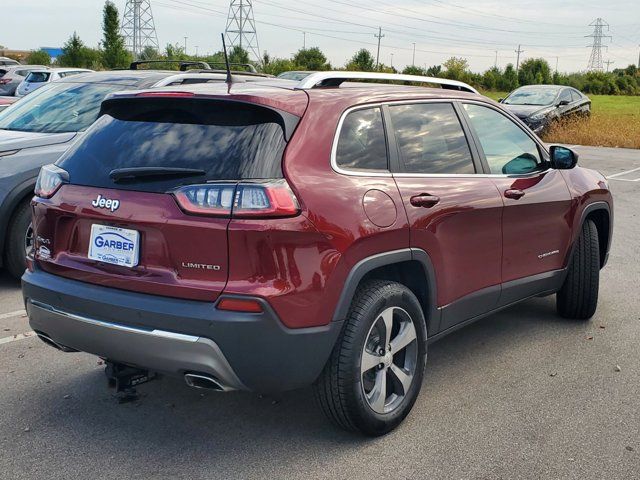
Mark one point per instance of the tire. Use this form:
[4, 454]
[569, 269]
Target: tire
[578, 297]
[16, 241]
[351, 398]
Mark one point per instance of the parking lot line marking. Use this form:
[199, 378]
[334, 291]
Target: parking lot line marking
[621, 174]
[15, 338]
[17, 313]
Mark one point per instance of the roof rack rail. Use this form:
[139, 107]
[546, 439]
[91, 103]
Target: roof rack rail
[250, 68]
[335, 79]
[183, 64]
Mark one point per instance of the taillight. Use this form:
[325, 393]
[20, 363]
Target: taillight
[4, 81]
[50, 180]
[272, 198]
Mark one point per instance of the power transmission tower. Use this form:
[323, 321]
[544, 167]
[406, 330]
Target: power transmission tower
[518, 51]
[241, 27]
[595, 60]
[609, 62]
[138, 27]
[379, 37]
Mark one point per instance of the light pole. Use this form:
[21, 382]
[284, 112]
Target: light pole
[185, 45]
[413, 61]
[392, 60]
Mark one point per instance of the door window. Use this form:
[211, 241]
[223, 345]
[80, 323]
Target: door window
[507, 148]
[566, 95]
[431, 139]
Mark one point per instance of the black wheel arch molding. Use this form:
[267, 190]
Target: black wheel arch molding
[372, 263]
[15, 197]
[589, 209]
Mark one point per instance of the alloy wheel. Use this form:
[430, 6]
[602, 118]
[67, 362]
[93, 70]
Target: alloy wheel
[389, 359]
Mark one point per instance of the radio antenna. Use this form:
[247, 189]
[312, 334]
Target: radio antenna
[226, 61]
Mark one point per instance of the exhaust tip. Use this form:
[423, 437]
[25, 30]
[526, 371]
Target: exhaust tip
[52, 343]
[201, 380]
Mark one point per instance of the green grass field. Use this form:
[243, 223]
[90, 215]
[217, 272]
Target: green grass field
[614, 122]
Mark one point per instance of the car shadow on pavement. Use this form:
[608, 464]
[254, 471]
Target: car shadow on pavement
[179, 424]
[7, 282]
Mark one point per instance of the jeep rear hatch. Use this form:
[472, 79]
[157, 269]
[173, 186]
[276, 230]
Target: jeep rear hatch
[143, 202]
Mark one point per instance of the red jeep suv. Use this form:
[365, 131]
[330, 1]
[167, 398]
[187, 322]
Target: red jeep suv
[271, 235]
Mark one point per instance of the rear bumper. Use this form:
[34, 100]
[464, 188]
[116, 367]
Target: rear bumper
[243, 351]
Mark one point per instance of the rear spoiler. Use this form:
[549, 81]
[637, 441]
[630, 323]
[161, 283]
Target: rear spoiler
[112, 105]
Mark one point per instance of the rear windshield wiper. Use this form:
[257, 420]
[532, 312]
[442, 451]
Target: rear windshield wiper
[120, 174]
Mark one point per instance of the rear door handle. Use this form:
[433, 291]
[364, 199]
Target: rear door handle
[424, 200]
[514, 193]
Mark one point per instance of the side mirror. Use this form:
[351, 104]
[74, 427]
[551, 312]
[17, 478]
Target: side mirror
[500, 100]
[562, 158]
[563, 103]
[525, 163]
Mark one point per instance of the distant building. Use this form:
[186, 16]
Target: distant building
[54, 52]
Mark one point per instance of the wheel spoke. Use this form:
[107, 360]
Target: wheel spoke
[378, 393]
[406, 335]
[387, 317]
[403, 377]
[369, 361]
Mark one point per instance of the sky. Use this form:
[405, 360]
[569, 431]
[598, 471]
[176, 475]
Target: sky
[473, 29]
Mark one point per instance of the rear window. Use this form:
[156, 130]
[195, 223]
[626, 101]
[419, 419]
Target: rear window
[38, 77]
[226, 140]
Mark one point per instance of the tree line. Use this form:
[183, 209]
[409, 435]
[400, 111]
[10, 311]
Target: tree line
[112, 54]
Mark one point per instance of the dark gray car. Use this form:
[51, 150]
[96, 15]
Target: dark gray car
[38, 129]
[539, 105]
[12, 75]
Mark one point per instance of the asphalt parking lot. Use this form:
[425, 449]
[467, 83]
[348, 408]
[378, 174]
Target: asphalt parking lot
[521, 394]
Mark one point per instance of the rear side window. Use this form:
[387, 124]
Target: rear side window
[226, 140]
[38, 77]
[362, 144]
[431, 139]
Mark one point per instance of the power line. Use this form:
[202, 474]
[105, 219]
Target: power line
[595, 59]
[325, 19]
[138, 27]
[518, 51]
[241, 27]
[379, 37]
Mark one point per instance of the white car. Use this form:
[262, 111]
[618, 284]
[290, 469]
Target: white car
[38, 78]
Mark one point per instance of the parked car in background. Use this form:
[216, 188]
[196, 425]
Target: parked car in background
[539, 105]
[38, 78]
[8, 61]
[41, 126]
[12, 75]
[276, 235]
[6, 101]
[296, 75]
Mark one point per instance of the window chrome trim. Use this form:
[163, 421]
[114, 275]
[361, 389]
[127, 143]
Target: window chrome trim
[336, 137]
[367, 173]
[470, 175]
